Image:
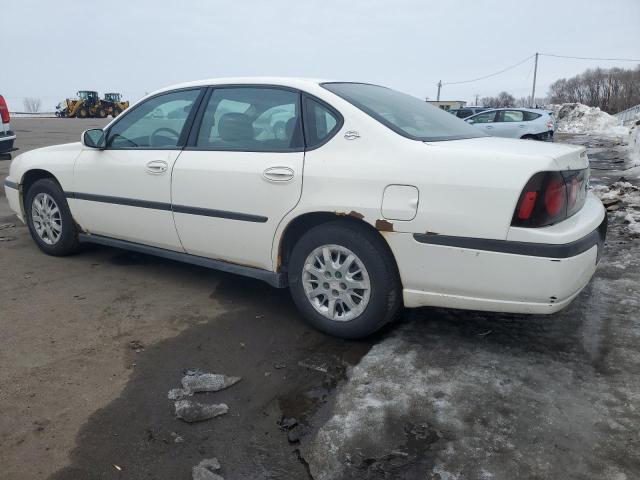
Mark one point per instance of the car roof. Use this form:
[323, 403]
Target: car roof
[293, 82]
[524, 109]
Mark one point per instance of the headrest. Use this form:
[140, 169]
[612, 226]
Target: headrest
[234, 127]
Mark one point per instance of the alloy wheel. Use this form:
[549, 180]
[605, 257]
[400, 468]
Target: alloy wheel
[336, 282]
[47, 218]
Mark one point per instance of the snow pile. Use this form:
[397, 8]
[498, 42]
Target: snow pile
[579, 118]
[622, 199]
[634, 140]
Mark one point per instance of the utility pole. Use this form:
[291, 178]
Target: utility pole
[439, 87]
[535, 74]
[476, 104]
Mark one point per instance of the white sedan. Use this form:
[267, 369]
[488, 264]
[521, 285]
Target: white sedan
[359, 198]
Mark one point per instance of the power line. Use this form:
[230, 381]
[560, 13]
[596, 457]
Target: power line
[491, 74]
[593, 58]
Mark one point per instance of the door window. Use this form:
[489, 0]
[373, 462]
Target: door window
[320, 123]
[486, 117]
[251, 119]
[511, 116]
[155, 124]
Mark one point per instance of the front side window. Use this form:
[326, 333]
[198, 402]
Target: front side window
[404, 114]
[155, 124]
[254, 119]
[320, 123]
[487, 117]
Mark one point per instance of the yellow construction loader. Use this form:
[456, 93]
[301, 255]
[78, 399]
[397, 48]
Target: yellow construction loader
[114, 104]
[89, 105]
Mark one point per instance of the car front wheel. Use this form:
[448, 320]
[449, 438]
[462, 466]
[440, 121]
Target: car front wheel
[49, 219]
[344, 280]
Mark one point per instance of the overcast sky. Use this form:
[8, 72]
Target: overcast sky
[51, 49]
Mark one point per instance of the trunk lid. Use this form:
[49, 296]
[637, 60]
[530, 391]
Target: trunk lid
[565, 156]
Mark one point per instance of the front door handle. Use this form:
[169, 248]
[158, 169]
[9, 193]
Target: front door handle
[156, 167]
[488, 127]
[278, 174]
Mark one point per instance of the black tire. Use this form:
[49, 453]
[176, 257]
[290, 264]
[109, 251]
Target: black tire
[386, 293]
[68, 241]
[528, 137]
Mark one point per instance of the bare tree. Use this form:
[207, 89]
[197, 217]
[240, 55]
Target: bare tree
[612, 90]
[504, 99]
[31, 105]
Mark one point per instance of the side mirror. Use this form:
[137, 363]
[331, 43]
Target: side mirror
[469, 120]
[94, 138]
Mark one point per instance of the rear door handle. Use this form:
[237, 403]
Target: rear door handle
[278, 174]
[156, 167]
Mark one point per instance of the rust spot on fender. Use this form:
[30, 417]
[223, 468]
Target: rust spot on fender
[384, 226]
[352, 213]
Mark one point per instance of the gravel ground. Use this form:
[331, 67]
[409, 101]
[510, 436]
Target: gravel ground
[93, 343]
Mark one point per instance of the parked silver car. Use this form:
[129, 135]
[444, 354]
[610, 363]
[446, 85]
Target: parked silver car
[527, 123]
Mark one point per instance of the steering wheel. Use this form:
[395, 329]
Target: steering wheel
[163, 129]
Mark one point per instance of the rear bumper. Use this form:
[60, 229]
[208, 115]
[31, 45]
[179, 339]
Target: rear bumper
[495, 275]
[6, 142]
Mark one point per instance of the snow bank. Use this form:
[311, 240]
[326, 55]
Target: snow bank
[579, 118]
[622, 199]
[634, 140]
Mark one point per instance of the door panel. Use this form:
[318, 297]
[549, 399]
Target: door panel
[240, 207]
[124, 191]
[240, 175]
[118, 197]
[510, 123]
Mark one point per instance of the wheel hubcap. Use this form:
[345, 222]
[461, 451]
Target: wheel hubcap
[47, 219]
[336, 282]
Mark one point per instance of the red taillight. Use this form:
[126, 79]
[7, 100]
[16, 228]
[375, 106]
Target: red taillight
[4, 110]
[555, 197]
[550, 197]
[526, 205]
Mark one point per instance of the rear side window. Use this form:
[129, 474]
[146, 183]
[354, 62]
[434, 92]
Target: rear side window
[512, 116]
[320, 123]
[251, 119]
[531, 116]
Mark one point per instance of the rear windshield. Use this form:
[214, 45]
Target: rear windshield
[404, 114]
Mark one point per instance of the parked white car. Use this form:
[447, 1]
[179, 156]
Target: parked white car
[525, 123]
[7, 136]
[367, 200]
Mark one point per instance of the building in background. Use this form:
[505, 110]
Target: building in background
[447, 104]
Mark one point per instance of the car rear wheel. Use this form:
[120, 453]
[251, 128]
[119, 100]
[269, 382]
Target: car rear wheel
[343, 280]
[49, 219]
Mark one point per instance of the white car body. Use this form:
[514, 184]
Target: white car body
[520, 124]
[444, 208]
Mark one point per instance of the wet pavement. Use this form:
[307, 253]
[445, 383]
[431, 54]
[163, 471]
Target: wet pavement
[440, 395]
